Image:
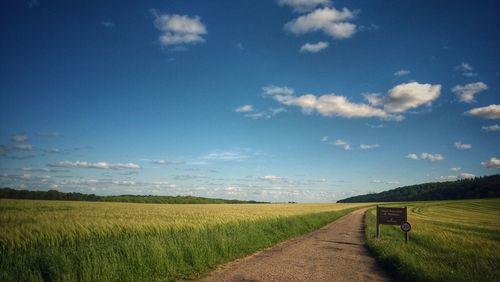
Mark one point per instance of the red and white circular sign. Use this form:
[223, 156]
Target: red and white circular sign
[405, 226]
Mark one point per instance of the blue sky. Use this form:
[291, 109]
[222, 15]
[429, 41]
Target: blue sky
[286, 100]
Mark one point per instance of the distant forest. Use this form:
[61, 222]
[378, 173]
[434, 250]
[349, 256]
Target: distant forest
[8, 193]
[479, 187]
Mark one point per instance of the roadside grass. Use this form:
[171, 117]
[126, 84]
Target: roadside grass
[69, 241]
[449, 241]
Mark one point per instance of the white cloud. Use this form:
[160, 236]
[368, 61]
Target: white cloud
[488, 112]
[313, 47]
[18, 138]
[410, 95]
[490, 128]
[98, 165]
[330, 105]
[167, 162]
[277, 90]
[272, 178]
[431, 157]
[491, 163]
[343, 144]
[324, 139]
[425, 156]
[461, 146]
[412, 156]
[244, 109]
[466, 175]
[179, 29]
[448, 178]
[368, 146]
[402, 73]
[467, 92]
[455, 169]
[399, 99]
[304, 5]
[330, 21]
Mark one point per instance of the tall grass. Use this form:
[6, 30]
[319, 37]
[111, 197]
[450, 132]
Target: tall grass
[449, 241]
[48, 240]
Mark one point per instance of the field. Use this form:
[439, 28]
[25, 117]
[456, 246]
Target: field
[57, 240]
[449, 241]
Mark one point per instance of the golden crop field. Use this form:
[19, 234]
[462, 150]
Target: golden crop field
[93, 240]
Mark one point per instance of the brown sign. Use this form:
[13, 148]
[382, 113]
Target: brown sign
[392, 216]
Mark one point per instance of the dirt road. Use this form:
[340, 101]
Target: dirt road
[332, 253]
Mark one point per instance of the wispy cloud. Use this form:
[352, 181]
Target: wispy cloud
[488, 112]
[167, 162]
[108, 24]
[377, 181]
[272, 90]
[271, 178]
[225, 156]
[466, 93]
[465, 69]
[32, 3]
[19, 138]
[461, 146]
[343, 144]
[313, 47]
[402, 73]
[97, 165]
[244, 109]
[179, 29]
[53, 134]
[455, 169]
[491, 128]
[426, 156]
[368, 146]
[302, 6]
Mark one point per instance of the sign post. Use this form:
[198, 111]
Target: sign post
[406, 227]
[393, 216]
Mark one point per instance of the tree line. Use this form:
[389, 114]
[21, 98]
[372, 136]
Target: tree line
[8, 193]
[476, 188]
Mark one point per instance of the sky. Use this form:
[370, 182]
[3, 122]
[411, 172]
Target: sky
[277, 100]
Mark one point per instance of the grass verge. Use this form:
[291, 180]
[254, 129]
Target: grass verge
[449, 241]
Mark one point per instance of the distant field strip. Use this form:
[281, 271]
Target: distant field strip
[449, 241]
[54, 240]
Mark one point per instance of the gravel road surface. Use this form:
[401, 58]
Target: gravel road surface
[332, 253]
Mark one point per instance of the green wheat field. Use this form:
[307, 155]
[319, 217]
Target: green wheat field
[92, 241]
[449, 241]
